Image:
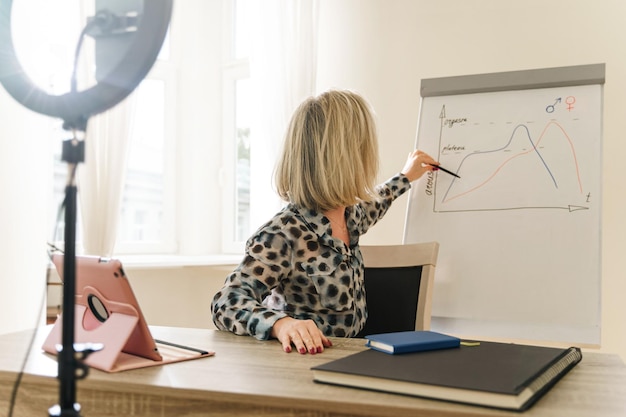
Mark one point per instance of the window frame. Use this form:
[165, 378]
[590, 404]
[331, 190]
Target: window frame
[234, 69]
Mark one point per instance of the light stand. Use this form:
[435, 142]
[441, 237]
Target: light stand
[139, 34]
[70, 368]
[67, 362]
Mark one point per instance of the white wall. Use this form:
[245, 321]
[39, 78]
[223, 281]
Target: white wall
[383, 48]
[179, 297]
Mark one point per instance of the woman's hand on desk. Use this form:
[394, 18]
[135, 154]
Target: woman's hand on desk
[303, 334]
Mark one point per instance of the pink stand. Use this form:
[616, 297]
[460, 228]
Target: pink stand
[113, 334]
[127, 345]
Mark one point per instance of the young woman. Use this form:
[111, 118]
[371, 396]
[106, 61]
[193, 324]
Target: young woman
[301, 279]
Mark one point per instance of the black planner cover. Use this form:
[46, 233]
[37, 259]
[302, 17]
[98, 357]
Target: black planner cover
[500, 375]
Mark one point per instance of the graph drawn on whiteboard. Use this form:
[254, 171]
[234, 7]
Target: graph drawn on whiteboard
[516, 151]
[519, 231]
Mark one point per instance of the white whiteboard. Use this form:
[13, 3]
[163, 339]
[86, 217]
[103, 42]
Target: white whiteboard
[520, 230]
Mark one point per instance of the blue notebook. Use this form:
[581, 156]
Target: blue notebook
[411, 341]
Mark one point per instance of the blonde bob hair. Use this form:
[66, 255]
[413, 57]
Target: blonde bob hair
[330, 153]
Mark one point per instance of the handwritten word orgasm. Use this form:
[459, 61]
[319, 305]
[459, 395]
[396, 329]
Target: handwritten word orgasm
[452, 122]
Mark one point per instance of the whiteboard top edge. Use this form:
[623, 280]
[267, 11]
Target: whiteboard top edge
[514, 80]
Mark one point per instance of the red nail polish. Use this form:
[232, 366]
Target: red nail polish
[302, 350]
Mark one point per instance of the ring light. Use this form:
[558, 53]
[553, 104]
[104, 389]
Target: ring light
[75, 108]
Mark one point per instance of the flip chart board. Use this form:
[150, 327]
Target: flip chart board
[520, 229]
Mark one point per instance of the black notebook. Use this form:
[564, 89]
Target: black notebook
[500, 375]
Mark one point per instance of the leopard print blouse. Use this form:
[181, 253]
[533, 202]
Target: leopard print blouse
[293, 266]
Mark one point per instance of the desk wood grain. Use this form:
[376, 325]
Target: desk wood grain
[248, 377]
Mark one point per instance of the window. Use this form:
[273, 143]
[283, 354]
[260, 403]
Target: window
[147, 222]
[143, 192]
[191, 124]
[242, 156]
[45, 43]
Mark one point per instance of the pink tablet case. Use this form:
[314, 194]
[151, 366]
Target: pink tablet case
[128, 343]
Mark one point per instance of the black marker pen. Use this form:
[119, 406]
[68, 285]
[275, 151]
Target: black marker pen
[444, 170]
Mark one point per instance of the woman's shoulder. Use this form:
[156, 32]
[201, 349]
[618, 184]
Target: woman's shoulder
[286, 231]
[287, 224]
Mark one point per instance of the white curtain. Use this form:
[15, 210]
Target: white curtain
[101, 177]
[283, 68]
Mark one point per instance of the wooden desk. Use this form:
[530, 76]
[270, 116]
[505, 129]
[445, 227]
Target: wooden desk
[247, 377]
